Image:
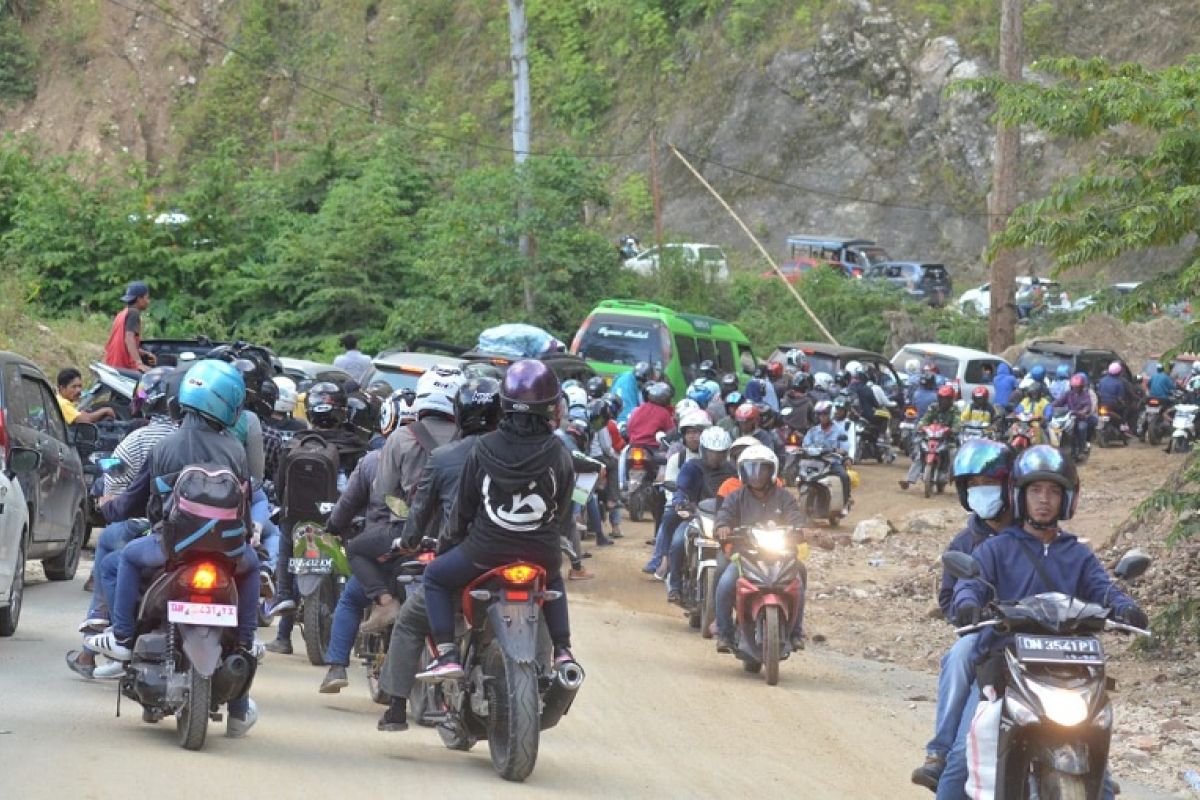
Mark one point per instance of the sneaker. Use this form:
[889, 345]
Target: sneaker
[927, 774]
[651, 567]
[237, 727]
[281, 606]
[109, 672]
[580, 574]
[395, 719]
[663, 570]
[78, 667]
[904, 485]
[382, 616]
[281, 646]
[797, 641]
[674, 596]
[267, 583]
[724, 644]
[109, 645]
[335, 680]
[94, 625]
[444, 667]
[604, 542]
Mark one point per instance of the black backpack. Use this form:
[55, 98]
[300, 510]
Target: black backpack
[310, 476]
[205, 513]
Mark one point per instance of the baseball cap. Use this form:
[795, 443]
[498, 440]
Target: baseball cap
[134, 290]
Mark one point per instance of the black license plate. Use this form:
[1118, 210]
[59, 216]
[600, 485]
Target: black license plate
[310, 566]
[1084, 650]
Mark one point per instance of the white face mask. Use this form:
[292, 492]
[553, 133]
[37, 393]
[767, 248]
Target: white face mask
[986, 501]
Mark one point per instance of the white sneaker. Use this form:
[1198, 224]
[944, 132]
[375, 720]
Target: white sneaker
[106, 644]
[110, 671]
[237, 728]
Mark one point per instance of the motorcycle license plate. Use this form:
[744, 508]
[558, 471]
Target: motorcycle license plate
[1084, 650]
[221, 616]
[310, 566]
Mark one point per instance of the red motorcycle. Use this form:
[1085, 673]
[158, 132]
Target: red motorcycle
[1022, 433]
[936, 443]
[769, 593]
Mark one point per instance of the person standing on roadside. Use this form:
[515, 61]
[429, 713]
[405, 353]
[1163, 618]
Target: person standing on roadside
[355, 362]
[124, 347]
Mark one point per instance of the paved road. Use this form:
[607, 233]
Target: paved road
[661, 715]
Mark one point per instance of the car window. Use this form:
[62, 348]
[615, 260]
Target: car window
[13, 398]
[685, 346]
[707, 350]
[55, 425]
[947, 367]
[620, 342]
[974, 372]
[36, 412]
[894, 272]
[725, 361]
[1181, 370]
[746, 358]
[710, 254]
[1032, 358]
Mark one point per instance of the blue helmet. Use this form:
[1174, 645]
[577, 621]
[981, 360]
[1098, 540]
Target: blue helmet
[1063, 372]
[701, 392]
[982, 457]
[1038, 372]
[214, 390]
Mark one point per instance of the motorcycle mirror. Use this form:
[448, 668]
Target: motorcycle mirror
[1132, 565]
[961, 565]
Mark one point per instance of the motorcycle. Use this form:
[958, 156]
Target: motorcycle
[511, 691]
[1109, 430]
[321, 568]
[934, 448]
[1069, 435]
[973, 430]
[372, 648]
[907, 429]
[700, 574]
[1183, 428]
[1153, 424]
[820, 489]
[792, 444]
[1022, 433]
[638, 468]
[769, 565]
[869, 442]
[185, 661]
[1056, 718]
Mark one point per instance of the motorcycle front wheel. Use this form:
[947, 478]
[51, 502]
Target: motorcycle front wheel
[512, 723]
[191, 721]
[929, 480]
[1057, 786]
[770, 644]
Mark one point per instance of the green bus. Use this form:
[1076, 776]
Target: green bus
[620, 333]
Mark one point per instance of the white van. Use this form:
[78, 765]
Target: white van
[961, 364]
[708, 256]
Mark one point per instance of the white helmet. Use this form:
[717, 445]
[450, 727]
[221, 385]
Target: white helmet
[854, 367]
[1196, 367]
[684, 406]
[576, 396]
[715, 439]
[436, 390]
[1025, 383]
[751, 465]
[912, 366]
[695, 419]
[793, 358]
[286, 403]
[823, 380]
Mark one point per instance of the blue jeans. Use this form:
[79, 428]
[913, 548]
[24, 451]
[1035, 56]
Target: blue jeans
[953, 783]
[142, 557]
[112, 539]
[662, 538]
[595, 522]
[953, 692]
[346, 618]
[677, 552]
[260, 512]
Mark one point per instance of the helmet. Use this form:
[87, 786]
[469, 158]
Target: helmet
[1038, 373]
[596, 387]
[841, 401]
[981, 457]
[842, 378]
[1078, 381]
[1035, 389]
[1196, 367]
[734, 399]
[740, 444]
[714, 445]
[774, 370]
[393, 411]
[615, 403]
[823, 380]
[707, 369]
[325, 405]
[823, 407]
[854, 368]
[570, 383]
[1025, 384]
[598, 414]
[695, 419]
[659, 393]
[214, 390]
[1064, 371]
[254, 363]
[795, 358]
[768, 418]
[927, 381]
[1114, 369]
[945, 390]
[685, 406]
[757, 466]
[286, 403]
[746, 412]
[1158, 367]
[268, 395]
[912, 366]
[641, 371]
[728, 383]
[801, 382]
[530, 387]
[477, 406]
[576, 395]
[1018, 372]
[362, 416]
[980, 396]
[1044, 463]
[700, 391]
[153, 390]
[436, 390]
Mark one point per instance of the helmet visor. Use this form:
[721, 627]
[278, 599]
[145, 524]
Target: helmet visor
[757, 474]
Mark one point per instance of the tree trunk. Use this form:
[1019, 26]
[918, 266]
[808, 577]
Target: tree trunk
[1002, 199]
[522, 125]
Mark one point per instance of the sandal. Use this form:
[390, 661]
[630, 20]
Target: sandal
[83, 670]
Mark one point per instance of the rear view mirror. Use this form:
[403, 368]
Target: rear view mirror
[961, 565]
[1132, 565]
[85, 433]
[22, 459]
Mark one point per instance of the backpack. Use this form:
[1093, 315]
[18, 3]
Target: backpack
[205, 513]
[310, 476]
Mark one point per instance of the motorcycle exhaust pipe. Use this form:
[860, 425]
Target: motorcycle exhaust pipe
[561, 694]
[232, 678]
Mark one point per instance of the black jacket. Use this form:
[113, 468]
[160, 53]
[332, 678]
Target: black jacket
[356, 500]
[742, 508]
[437, 489]
[514, 498]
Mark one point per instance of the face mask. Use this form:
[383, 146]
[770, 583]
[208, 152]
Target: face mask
[986, 501]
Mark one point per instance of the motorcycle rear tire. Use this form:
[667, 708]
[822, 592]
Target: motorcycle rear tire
[1102, 438]
[634, 507]
[708, 602]
[1057, 786]
[929, 480]
[771, 644]
[513, 725]
[191, 721]
[316, 621]
[1153, 435]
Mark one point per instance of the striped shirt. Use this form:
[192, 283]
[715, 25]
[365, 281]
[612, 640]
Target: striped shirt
[133, 451]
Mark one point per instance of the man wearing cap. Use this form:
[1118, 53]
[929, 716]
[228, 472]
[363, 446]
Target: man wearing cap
[124, 347]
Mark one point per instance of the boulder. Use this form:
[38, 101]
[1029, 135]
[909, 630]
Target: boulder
[875, 529]
[929, 521]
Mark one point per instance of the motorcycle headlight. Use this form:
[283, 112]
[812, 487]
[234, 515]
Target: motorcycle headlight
[1067, 707]
[773, 540]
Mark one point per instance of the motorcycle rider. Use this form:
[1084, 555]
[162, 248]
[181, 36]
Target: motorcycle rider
[925, 395]
[652, 417]
[942, 413]
[831, 436]
[823, 387]
[1031, 556]
[797, 404]
[747, 417]
[698, 480]
[692, 425]
[981, 472]
[759, 500]
[1078, 400]
[1037, 405]
[1061, 383]
[210, 399]
[980, 413]
[1004, 384]
[629, 385]
[513, 504]
[728, 422]
[1116, 394]
[912, 375]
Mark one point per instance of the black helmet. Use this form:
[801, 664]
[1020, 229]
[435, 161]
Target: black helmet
[801, 382]
[842, 378]
[659, 393]
[598, 414]
[152, 392]
[596, 387]
[928, 381]
[325, 405]
[641, 371]
[1044, 463]
[362, 416]
[707, 369]
[477, 406]
[530, 387]
[254, 363]
[768, 418]
[268, 394]
[729, 383]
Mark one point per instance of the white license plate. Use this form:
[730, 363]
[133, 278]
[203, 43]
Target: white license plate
[310, 566]
[222, 616]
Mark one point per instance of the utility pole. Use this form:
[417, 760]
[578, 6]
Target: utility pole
[1002, 321]
[522, 125]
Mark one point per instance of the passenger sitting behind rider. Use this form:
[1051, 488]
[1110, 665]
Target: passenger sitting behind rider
[514, 502]
[760, 500]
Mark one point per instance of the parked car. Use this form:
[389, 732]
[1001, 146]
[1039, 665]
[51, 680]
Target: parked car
[1119, 289]
[55, 497]
[305, 373]
[1050, 353]
[566, 366]
[14, 525]
[978, 301]
[831, 358]
[855, 256]
[797, 268]
[709, 256]
[1179, 368]
[961, 365]
[927, 283]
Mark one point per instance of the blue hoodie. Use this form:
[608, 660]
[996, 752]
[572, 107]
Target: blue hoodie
[1161, 385]
[1069, 563]
[976, 533]
[1003, 385]
[626, 388]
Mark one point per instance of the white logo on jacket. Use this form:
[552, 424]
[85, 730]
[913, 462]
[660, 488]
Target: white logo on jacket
[522, 510]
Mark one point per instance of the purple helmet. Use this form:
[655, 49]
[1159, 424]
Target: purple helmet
[530, 387]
